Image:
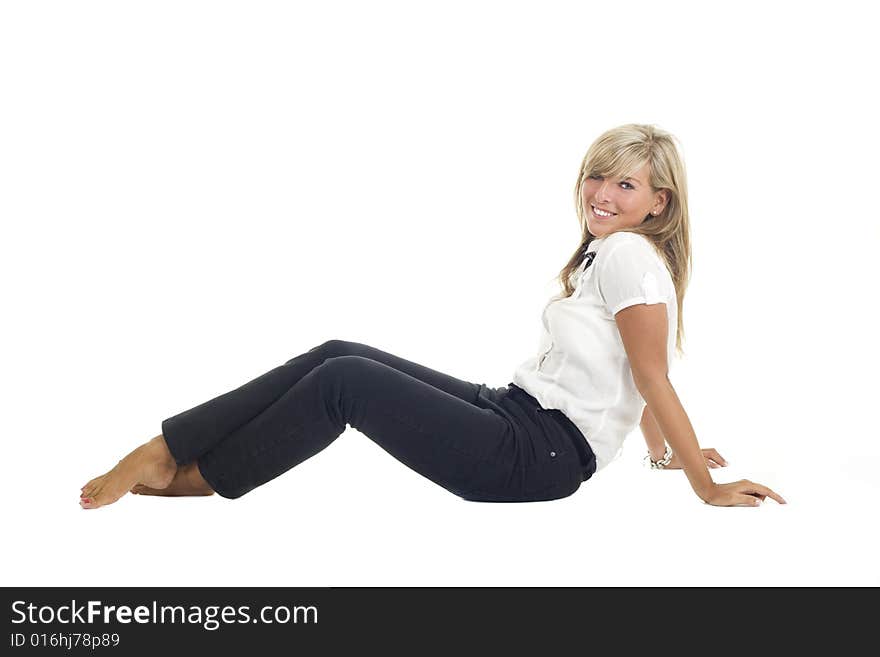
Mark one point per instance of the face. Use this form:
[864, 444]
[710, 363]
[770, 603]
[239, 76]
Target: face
[630, 200]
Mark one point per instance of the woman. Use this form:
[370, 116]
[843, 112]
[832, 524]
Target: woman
[601, 368]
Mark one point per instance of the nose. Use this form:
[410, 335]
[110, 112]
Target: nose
[601, 194]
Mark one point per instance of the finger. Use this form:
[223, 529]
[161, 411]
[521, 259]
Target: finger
[749, 500]
[716, 456]
[762, 490]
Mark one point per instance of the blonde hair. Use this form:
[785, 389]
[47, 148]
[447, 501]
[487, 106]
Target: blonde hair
[619, 153]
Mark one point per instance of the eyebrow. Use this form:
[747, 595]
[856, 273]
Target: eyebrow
[634, 179]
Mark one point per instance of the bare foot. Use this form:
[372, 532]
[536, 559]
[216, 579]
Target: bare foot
[150, 464]
[187, 482]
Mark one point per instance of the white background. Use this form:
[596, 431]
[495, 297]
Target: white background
[194, 192]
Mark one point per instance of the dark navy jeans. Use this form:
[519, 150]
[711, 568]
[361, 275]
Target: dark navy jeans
[480, 443]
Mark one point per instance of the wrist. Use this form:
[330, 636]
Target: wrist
[659, 463]
[705, 491]
[658, 453]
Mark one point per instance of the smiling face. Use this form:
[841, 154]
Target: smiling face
[629, 200]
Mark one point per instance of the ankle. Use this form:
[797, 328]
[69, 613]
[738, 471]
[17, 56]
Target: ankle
[195, 478]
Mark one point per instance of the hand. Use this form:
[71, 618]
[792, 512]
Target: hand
[713, 460]
[739, 493]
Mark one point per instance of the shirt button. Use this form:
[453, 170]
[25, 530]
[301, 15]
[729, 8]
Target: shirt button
[553, 454]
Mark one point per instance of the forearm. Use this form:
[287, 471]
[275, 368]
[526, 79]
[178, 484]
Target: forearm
[653, 436]
[676, 428]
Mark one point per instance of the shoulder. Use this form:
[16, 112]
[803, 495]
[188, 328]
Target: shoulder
[629, 243]
[629, 255]
[626, 237]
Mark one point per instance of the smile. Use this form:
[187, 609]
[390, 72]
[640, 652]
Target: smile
[601, 213]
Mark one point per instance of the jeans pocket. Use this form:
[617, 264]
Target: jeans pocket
[553, 477]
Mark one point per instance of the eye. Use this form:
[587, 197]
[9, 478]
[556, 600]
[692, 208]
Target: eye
[596, 176]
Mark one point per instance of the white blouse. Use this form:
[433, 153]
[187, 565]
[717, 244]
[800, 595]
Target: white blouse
[581, 367]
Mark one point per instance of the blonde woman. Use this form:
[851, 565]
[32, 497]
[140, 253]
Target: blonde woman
[601, 369]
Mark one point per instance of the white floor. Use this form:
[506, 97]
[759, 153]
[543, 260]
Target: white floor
[327, 523]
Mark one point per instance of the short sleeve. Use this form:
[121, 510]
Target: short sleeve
[629, 275]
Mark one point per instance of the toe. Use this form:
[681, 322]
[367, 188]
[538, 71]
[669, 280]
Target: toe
[97, 500]
[101, 496]
[90, 487]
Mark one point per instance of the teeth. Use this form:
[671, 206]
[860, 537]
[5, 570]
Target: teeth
[601, 213]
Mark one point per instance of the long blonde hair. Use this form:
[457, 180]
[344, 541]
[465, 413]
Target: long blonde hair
[619, 153]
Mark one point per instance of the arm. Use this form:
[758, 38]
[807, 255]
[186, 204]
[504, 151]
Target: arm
[643, 330]
[657, 444]
[653, 436]
[661, 396]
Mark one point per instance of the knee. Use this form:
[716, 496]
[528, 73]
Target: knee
[336, 348]
[330, 349]
[341, 377]
[346, 364]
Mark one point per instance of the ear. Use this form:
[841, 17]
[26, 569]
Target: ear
[663, 198]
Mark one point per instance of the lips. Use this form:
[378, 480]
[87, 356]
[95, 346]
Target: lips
[598, 216]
